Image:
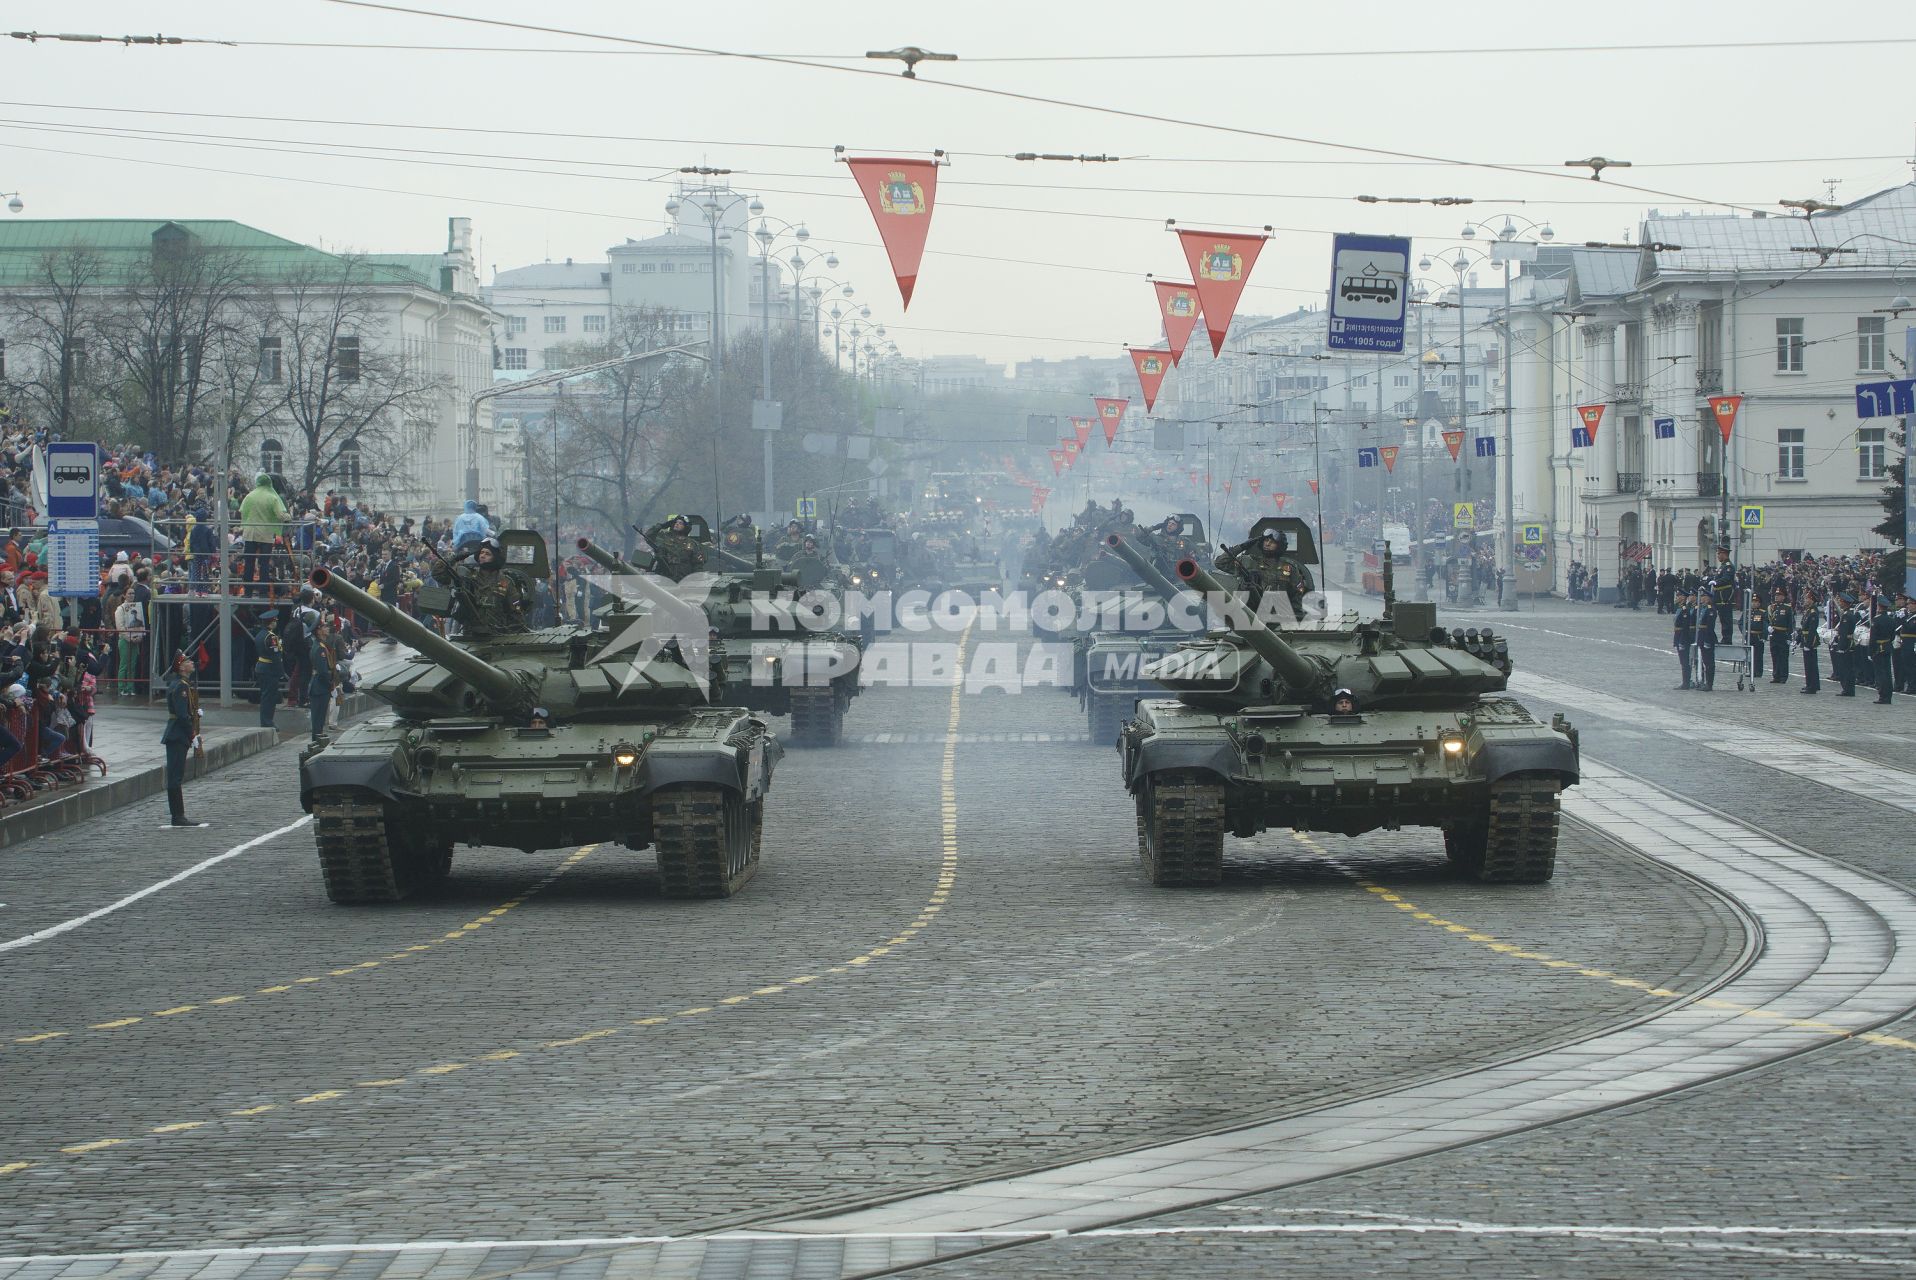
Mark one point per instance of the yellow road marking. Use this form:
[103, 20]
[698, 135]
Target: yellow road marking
[15, 1167]
[181, 1127]
[99, 1144]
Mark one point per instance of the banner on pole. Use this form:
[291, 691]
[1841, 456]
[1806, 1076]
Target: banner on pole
[1256, 483]
[1591, 415]
[1110, 413]
[1313, 485]
[1152, 366]
[1221, 267]
[1388, 452]
[1057, 460]
[1280, 499]
[1454, 441]
[900, 194]
[1724, 409]
[1082, 426]
[1178, 309]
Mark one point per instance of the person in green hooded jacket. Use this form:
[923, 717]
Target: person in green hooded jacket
[263, 518]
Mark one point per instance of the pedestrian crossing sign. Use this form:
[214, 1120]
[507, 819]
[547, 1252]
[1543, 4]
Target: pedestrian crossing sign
[807, 509]
[1752, 517]
[1530, 535]
[1463, 515]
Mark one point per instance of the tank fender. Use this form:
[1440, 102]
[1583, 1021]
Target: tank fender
[712, 768]
[1155, 755]
[1552, 754]
[374, 774]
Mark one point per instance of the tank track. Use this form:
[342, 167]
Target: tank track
[707, 840]
[818, 716]
[1107, 715]
[1521, 843]
[1181, 831]
[355, 859]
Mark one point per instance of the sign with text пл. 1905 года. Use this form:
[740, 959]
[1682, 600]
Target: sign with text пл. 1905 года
[73, 481]
[1370, 276]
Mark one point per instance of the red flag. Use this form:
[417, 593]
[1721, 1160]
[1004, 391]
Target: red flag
[1110, 413]
[1453, 441]
[1592, 416]
[900, 193]
[1280, 499]
[1221, 265]
[1152, 366]
[1388, 452]
[1256, 483]
[1057, 460]
[1725, 407]
[1313, 486]
[1178, 308]
[1070, 448]
[1083, 427]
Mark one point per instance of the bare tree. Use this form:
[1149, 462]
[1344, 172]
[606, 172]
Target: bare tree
[350, 392]
[53, 341]
[172, 310]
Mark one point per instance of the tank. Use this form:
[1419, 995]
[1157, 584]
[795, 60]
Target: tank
[771, 661]
[1109, 659]
[1250, 741]
[633, 753]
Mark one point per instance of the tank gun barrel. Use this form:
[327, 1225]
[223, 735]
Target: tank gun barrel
[499, 688]
[1144, 568]
[682, 615]
[606, 560]
[734, 559]
[1298, 671]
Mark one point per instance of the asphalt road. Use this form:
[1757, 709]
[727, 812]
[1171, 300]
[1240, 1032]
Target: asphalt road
[949, 971]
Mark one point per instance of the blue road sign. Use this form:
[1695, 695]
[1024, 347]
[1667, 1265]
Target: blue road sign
[1665, 428]
[1486, 446]
[1579, 437]
[1367, 457]
[1370, 281]
[73, 481]
[1886, 399]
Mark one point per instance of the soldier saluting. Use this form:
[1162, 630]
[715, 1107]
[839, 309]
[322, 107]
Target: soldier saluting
[676, 552]
[1268, 565]
[491, 597]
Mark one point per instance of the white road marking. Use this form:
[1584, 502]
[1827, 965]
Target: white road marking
[1668, 651]
[65, 926]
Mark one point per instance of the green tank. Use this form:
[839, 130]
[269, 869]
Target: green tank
[633, 752]
[787, 669]
[1116, 640]
[1251, 741]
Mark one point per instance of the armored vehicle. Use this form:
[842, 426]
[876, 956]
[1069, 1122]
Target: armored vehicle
[1121, 630]
[1254, 739]
[629, 750]
[771, 656]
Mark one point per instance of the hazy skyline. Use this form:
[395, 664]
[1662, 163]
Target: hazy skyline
[1025, 259]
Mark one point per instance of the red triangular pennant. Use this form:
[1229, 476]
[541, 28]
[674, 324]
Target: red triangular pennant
[1083, 427]
[1178, 308]
[1057, 460]
[1592, 417]
[1313, 485]
[1221, 266]
[1256, 483]
[1110, 414]
[1152, 366]
[1388, 452]
[1725, 407]
[1454, 441]
[901, 194]
[1280, 499]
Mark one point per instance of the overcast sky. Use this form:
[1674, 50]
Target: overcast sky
[1786, 117]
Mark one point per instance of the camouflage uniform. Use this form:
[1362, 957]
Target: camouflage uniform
[492, 600]
[674, 554]
[1261, 570]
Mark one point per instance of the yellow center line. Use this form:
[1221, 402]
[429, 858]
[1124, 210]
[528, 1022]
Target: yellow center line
[462, 931]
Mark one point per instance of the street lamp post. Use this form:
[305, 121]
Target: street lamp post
[765, 236]
[714, 210]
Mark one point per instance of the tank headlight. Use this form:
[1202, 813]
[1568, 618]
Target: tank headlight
[1453, 746]
[625, 757]
[771, 659]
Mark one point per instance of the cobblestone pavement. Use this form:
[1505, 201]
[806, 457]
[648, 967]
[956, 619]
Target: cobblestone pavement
[231, 1063]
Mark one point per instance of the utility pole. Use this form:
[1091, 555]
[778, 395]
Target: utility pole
[765, 349]
[1510, 450]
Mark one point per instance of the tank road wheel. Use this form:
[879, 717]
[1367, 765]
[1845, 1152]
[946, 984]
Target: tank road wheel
[1181, 829]
[427, 861]
[1107, 713]
[707, 841]
[355, 854]
[1520, 846]
[818, 716]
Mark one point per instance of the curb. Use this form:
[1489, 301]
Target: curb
[113, 792]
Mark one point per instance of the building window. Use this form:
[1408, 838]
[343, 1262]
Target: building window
[512, 358]
[648, 267]
[1870, 344]
[592, 324]
[1362, 380]
[347, 468]
[270, 369]
[1402, 408]
[555, 324]
[515, 325]
[627, 268]
[1400, 380]
[1789, 453]
[1360, 406]
[1789, 346]
[706, 267]
[1471, 379]
[1870, 459]
[1448, 380]
[346, 359]
[667, 268]
[272, 457]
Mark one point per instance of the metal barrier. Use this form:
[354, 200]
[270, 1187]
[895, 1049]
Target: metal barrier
[26, 774]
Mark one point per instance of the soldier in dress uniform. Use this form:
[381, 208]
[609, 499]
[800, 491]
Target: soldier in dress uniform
[270, 667]
[1905, 665]
[1882, 634]
[1683, 635]
[1723, 594]
[1705, 651]
[1757, 633]
[1809, 639]
[1843, 664]
[1782, 633]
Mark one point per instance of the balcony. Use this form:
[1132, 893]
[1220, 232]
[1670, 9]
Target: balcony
[1629, 482]
[1708, 484]
[1628, 393]
[1709, 382]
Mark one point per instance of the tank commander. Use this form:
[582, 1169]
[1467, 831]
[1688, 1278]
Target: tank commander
[1343, 703]
[491, 598]
[677, 552]
[1269, 565]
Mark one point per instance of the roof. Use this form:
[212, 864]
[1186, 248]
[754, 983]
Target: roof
[670, 240]
[1581, 274]
[1879, 228]
[554, 275]
[121, 242]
